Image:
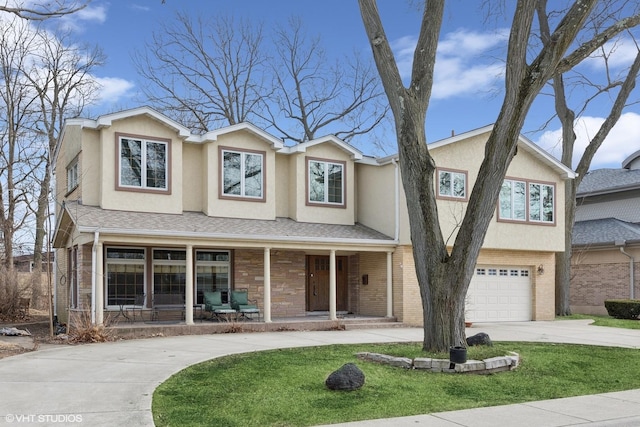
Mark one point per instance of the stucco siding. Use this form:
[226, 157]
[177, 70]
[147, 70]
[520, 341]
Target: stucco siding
[143, 201]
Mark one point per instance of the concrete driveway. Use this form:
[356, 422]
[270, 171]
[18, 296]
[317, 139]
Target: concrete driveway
[112, 384]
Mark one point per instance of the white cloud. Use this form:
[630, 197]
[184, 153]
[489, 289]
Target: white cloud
[113, 89]
[89, 15]
[621, 54]
[623, 140]
[463, 65]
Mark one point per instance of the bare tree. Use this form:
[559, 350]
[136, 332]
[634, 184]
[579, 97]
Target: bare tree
[444, 276]
[39, 11]
[17, 116]
[567, 117]
[60, 73]
[204, 73]
[315, 98]
[207, 73]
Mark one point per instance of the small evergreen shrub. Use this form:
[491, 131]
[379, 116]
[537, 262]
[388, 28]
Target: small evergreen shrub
[623, 308]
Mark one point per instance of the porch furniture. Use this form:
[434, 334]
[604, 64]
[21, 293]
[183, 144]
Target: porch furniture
[214, 305]
[167, 303]
[138, 305]
[246, 308]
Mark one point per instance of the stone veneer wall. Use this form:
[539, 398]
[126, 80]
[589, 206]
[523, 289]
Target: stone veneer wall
[288, 275]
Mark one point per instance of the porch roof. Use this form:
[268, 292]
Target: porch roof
[196, 225]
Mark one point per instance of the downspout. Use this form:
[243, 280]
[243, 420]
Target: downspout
[397, 200]
[94, 249]
[632, 261]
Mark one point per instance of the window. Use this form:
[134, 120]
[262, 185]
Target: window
[72, 274]
[125, 275]
[452, 184]
[212, 274]
[169, 271]
[513, 200]
[480, 271]
[242, 174]
[143, 164]
[325, 182]
[541, 202]
[527, 202]
[72, 176]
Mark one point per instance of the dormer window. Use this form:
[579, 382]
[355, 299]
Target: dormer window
[325, 182]
[242, 174]
[143, 163]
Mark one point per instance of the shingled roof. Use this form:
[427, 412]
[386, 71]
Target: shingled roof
[197, 224]
[608, 180]
[605, 231]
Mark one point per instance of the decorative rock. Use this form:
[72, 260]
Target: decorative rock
[399, 362]
[422, 363]
[349, 377]
[497, 362]
[479, 339]
[470, 366]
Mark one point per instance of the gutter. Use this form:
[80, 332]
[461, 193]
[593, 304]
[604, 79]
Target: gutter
[621, 244]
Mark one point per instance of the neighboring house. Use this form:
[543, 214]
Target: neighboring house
[149, 207]
[606, 237]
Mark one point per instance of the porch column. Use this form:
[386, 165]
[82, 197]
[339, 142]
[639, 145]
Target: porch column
[332, 286]
[389, 284]
[266, 311]
[99, 269]
[188, 290]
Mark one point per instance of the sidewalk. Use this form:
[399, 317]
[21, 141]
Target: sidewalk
[112, 384]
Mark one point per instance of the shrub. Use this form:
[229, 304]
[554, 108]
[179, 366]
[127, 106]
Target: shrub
[81, 329]
[10, 294]
[623, 308]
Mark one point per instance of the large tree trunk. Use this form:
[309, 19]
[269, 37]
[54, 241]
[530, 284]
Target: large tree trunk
[563, 259]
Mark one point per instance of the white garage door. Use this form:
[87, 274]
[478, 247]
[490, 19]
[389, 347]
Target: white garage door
[499, 294]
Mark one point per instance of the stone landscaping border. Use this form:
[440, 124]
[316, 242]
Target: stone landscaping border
[486, 366]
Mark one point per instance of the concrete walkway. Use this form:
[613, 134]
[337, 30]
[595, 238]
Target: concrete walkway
[112, 384]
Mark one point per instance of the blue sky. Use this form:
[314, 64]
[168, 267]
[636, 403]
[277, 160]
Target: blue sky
[467, 91]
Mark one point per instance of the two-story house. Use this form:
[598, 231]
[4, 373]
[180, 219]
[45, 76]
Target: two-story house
[606, 237]
[148, 207]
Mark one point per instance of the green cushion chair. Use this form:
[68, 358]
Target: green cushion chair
[241, 303]
[214, 305]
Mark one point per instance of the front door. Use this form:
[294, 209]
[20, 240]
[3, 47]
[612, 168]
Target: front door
[318, 283]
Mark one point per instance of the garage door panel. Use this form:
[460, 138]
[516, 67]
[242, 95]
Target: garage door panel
[498, 293]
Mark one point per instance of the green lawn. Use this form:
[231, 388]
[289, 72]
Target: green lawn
[606, 321]
[286, 387]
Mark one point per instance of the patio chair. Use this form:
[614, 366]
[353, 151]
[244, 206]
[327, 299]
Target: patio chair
[214, 305]
[138, 305]
[246, 308]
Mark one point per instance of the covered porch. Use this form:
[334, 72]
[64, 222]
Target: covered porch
[290, 269]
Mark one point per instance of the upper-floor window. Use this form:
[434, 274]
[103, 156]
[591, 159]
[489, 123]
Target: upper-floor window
[143, 163]
[452, 184]
[72, 176]
[242, 174]
[325, 182]
[527, 201]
